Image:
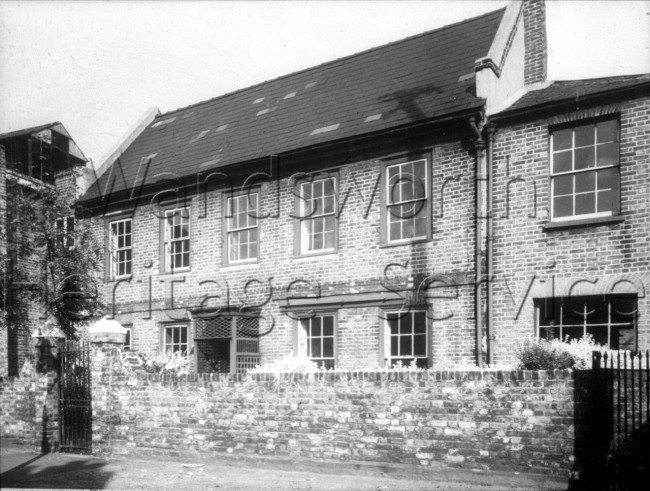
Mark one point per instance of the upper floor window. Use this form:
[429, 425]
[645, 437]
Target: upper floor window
[610, 319]
[316, 338]
[317, 207]
[406, 338]
[585, 170]
[121, 247]
[242, 242]
[65, 231]
[176, 239]
[406, 211]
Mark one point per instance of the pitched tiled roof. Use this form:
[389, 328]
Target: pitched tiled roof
[420, 78]
[575, 90]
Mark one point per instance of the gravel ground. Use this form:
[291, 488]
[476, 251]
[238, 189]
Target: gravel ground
[21, 468]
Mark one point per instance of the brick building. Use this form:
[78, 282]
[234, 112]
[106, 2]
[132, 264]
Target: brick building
[388, 206]
[30, 159]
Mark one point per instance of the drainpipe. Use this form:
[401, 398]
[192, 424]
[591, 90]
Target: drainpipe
[491, 128]
[479, 180]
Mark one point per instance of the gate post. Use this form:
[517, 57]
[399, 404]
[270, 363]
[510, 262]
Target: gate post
[46, 342]
[107, 337]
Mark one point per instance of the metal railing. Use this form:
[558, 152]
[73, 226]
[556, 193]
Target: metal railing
[630, 378]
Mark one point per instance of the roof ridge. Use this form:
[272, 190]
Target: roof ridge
[31, 129]
[644, 75]
[331, 62]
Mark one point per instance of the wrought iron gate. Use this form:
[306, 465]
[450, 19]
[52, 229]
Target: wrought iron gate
[75, 399]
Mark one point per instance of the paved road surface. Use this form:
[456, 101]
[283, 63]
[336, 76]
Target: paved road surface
[21, 468]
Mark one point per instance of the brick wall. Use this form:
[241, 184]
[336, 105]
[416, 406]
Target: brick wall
[359, 266]
[608, 257]
[521, 421]
[29, 406]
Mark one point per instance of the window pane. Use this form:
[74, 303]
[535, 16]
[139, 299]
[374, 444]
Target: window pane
[607, 131]
[316, 326]
[562, 162]
[584, 158]
[563, 206]
[395, 231]
[608, 179]
[585, 203]
[394, 345]
[585, 181]
[562, 139]
[563, 185]
[624, 309]
[607, 201]
[584, 135]
[607, 154]
[420, 322]
[328, 347]
[328, 325]
[315, 348]
[420, 345]
[406, 346]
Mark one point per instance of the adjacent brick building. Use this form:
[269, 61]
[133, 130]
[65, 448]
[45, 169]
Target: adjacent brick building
[30, 159]
[386, 207]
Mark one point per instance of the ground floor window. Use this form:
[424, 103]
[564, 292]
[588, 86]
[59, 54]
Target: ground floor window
[406, 338]
[175, 338]
[316, 338]
[610, 319]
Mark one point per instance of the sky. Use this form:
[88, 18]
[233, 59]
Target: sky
[98, 66]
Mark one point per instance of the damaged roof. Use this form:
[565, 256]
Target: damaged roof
[421, 78]
[575, 91]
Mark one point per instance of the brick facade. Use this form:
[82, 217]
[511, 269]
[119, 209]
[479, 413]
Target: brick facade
[597, 258]
[360, 268]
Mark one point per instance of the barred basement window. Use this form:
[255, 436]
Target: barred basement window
[585, 171]
[243, 228]
[406, 338]
[317, 215]
[120, 248]
[610, 319]
[176, 240]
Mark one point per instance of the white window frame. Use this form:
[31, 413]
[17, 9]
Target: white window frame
[169, 347]
[170, 242]
[577, 172]
[234, 229]
[584, 323]
[406, 316]
[311, 212]
[306, 336]
[424, 203]
[115, 250]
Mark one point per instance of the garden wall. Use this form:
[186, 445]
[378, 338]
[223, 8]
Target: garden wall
[517, 421]
[528, 421]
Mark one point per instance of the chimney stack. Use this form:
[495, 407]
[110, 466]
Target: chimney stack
[536, 61]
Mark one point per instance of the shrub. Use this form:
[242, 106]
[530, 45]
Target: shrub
[555, 354]
[288, 364]
[177, 363]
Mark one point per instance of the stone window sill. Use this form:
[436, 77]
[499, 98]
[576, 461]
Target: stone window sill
[584, 222]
